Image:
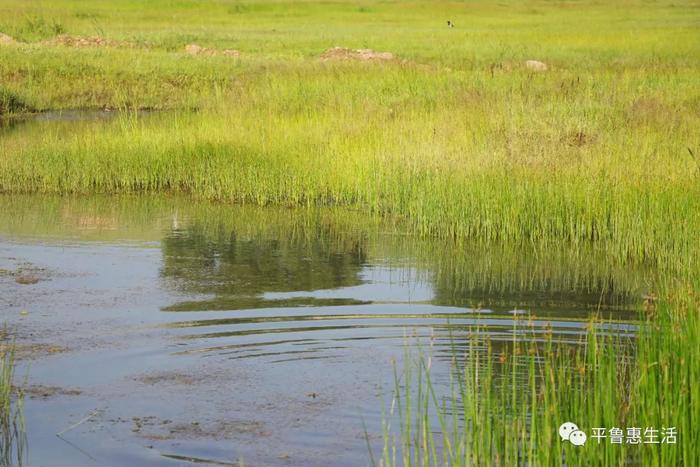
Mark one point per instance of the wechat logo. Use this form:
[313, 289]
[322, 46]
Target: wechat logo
[569, 432]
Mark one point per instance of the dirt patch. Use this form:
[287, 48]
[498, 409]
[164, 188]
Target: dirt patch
[31, 351]
[38, 391]
[5, 39]
[170, 377]
[194, 49]
[535, 65]
[26, 280]
[85, 41]
[579, 139]
[363, 55]
[156, 429]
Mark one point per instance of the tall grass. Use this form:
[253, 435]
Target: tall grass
[12, 429]
[455, 139]
[477, 169]
[505, 407]
[455, 136]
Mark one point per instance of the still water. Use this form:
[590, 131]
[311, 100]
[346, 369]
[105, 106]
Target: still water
[166, 331]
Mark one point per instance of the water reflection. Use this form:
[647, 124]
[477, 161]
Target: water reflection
[255, 282]
[314, 284]
[60, 122]
[239, 268]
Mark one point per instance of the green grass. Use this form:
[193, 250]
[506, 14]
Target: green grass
[10, 103]
[454, 139]
[456, 135]
[483, 172]
[505, 407]
[12, 430]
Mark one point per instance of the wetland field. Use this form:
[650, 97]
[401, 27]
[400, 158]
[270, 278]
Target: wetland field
[349, 233]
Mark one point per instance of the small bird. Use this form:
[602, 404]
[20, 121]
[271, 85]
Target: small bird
[450, 24]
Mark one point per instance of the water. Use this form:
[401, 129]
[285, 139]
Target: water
[164, 331]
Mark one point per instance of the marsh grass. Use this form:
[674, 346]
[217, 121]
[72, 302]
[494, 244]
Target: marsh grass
[455, 140]
[11, 103]
[13, 442]
[455, 136]
[277, 150]
[504, 407]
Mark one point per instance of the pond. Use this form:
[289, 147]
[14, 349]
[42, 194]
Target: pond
[164, 331]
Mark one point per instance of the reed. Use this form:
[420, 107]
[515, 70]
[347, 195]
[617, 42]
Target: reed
[13, 443]
[505, 406]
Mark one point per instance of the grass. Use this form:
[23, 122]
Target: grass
[505, 407]
[455, 139]
[483, 172]
[456, 136]
[12, 430]
[10, 103]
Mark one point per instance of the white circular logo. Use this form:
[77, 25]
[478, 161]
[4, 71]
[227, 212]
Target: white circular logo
[566, 429]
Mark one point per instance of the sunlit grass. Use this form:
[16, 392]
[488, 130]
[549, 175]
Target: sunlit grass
[504, 407]
[455, 136]
[484, 171]
[13, 444]
[454, 139]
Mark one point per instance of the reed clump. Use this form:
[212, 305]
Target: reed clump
[504, 404]
[13, 443]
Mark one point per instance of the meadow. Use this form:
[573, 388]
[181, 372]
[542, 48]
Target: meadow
[454, 136]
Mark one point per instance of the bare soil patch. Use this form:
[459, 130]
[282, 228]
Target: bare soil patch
[5, 39]
[85, 41]
[194, 49]
[364, 55]
[535, 65]
[38, 391]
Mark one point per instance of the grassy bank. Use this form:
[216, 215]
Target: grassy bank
[505, 168]
[454, 134]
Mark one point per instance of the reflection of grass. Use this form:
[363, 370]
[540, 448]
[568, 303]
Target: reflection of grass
[505, 408]
[12, 432]
[201, 235]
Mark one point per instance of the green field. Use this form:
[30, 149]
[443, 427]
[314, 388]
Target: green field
[454, 136]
